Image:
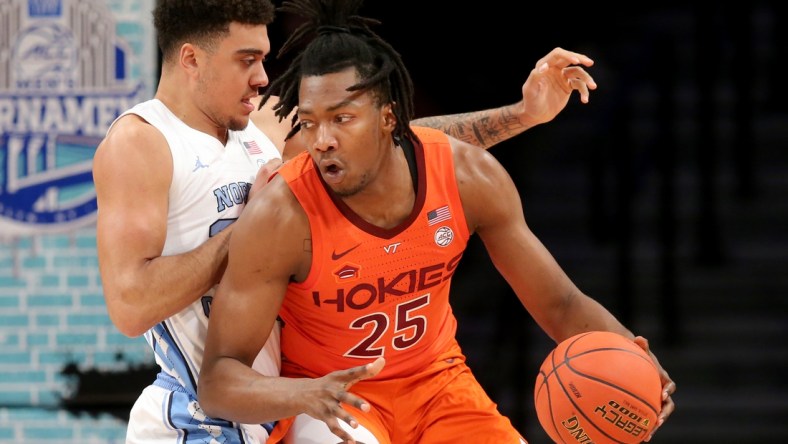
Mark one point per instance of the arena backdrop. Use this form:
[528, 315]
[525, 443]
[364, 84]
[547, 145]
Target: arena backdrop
[67, 69]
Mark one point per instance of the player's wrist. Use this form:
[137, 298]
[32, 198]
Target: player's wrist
[526, 119]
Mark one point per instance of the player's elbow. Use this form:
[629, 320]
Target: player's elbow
[128, 324]
[125, 312]
[130, 329]
[207, 402]
[206, 394]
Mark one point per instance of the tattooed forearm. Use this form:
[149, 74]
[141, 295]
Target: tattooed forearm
[482, 128]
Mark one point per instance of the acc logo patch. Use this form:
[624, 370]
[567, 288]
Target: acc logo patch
[444, 236]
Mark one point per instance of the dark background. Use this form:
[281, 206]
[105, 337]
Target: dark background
[665, 197]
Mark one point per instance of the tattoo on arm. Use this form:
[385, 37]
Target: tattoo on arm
[482, 128]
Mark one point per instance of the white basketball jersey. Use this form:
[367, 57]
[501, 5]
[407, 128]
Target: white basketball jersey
[210, 185]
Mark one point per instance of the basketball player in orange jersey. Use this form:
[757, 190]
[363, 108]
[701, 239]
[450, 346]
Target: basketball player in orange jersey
[354, 244]
[175, 171]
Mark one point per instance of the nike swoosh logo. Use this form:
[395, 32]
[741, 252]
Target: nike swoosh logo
[336, 256]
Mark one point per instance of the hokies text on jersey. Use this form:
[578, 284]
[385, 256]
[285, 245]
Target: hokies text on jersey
[364, 292]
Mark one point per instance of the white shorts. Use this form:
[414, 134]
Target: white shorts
[168, 413]
[308, 430]
[162, 416]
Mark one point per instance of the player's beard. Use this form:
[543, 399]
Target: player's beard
[217, 113]
[350, 190]
[235, 124]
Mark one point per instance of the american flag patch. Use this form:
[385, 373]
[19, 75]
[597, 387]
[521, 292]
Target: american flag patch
[438, 215]
[252, 148]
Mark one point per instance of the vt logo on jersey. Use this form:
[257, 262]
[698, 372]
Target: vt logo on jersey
[66, 77]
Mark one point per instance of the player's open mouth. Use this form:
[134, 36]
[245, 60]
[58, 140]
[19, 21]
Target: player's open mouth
[332, 172]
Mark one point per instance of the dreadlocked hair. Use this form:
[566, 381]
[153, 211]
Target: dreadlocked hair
[342, 39]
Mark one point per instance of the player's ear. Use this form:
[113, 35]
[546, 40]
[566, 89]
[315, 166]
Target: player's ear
[188, 57]
[389, 119]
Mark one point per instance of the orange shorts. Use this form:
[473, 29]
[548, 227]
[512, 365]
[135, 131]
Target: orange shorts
[444, 403]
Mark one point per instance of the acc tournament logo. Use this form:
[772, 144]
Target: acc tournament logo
[68, 68]
[444, 236]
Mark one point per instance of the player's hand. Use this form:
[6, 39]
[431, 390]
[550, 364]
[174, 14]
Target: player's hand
[323, 397]
[263, 174]
[668, 387]
[547, 89]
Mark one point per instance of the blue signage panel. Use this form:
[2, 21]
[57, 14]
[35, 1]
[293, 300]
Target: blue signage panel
[68, 68]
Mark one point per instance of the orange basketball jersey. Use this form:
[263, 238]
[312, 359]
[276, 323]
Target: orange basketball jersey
[371, 291]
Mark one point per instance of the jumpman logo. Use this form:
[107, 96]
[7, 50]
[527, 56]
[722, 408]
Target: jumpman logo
[199, 165]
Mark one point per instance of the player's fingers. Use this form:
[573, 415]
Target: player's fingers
[336, 429]
[268, 168]
[263, 174]
[344, 415]
[670, 388]
[667, 409]
[577, 72]
[561, 57]
[581, 87]
[555, 61]
[351, 399]
[583, 59]
[642, 343]
[355, 374]
[375, 367]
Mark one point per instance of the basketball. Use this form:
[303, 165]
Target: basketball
[598, 387]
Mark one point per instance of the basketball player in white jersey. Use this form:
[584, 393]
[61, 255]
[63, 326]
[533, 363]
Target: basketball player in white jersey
[174, 172]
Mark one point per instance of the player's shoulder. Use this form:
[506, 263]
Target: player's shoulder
[297, 166]
[431, 139]
[429, 135]
[275, 203]
[131, 135]
[134, 127]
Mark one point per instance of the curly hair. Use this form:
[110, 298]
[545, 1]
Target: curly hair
[204, 21]
[342, 39]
